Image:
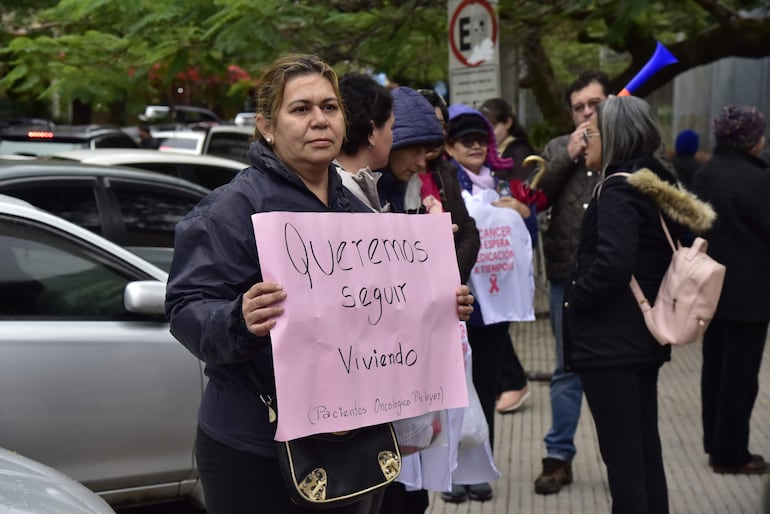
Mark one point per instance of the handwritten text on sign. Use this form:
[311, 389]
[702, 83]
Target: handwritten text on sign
[369, 332]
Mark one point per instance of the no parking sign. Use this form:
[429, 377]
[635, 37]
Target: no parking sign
[474, 60]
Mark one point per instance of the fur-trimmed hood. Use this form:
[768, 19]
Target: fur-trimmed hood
[677, 203]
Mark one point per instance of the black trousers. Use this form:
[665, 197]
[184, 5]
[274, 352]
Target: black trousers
[236, 482]
[732, 356]
[512, 374]
[398, 500]
[487, 342]
[624, 405]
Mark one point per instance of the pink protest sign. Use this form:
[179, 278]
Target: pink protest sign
[369, 332]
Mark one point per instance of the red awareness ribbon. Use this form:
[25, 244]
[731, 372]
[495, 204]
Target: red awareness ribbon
[493, 283]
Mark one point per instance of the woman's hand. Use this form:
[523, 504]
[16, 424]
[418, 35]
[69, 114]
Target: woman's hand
[511, 203]
[464, 303]
[261, 304]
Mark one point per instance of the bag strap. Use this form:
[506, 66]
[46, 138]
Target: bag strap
[264, 398]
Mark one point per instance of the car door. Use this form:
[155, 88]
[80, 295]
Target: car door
[105, 396]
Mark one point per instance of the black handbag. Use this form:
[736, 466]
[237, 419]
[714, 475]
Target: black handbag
[325, 471]
[335, 469]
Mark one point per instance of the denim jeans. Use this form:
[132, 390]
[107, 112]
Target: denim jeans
[566, 389]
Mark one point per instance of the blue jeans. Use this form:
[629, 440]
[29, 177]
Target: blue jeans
[566, 389]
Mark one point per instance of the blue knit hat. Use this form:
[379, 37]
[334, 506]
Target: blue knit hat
[416, 121]
[687, 142]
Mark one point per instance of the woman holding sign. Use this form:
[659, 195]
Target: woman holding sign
[217, 302]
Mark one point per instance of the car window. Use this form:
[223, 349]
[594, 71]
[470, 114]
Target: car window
[150, 214]
[75, 202]
[211, 177]
[230, 145]
[116, 141]
[205, 175]
[48, 276]
[181, 143]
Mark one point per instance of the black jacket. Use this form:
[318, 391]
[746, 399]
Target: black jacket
[467, 240]
[738, 186]
[215, 262]
[622, 235]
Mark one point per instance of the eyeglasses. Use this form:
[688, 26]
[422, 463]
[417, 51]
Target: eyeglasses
[469, 140]
[587, 135]
[591, 104]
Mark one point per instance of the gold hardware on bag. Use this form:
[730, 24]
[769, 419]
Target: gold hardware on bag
[340, 433]
[268, 401]
[314, 485]
[390, 464]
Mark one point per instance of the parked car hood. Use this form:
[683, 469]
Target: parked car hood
[28, 487]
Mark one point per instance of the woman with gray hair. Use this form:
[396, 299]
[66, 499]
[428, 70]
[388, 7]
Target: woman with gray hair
[605, 338]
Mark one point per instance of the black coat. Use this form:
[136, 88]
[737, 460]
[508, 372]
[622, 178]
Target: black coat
[738, 186]
[467, 240]
[621, 235]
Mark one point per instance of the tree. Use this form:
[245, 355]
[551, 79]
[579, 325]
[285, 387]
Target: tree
[112, 53]
[697, 32]
[106, 53]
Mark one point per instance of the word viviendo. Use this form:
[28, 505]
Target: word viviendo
[313, 259]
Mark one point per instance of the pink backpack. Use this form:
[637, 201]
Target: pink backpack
[688, 295]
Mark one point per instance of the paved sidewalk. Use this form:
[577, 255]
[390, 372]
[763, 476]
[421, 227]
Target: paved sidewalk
[693, 488]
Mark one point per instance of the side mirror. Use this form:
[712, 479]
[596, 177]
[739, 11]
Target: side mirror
[145, 297]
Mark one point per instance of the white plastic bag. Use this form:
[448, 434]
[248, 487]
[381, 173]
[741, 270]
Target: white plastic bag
[421, 432]
[475, 429]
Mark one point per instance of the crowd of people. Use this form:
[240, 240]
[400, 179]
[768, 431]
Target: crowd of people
[351, 145]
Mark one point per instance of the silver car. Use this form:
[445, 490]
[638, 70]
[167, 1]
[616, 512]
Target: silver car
[28, 487]
[93, 383]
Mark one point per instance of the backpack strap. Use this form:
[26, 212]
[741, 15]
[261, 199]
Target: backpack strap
[668, 234]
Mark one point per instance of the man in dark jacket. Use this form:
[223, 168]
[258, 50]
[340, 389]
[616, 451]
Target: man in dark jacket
[568, 184]
[737, 183]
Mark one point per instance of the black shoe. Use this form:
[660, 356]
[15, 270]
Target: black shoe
[480, 492]
[458, 494]
[755, 466]
[556, 474]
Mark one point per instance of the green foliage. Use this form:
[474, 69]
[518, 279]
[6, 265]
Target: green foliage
[103, 51]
